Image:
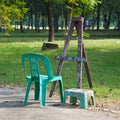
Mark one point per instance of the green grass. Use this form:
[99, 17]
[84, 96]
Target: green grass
[103, 57]
[94, 34]
[103, 34]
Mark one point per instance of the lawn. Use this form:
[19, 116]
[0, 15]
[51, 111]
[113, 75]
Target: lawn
[103, 57]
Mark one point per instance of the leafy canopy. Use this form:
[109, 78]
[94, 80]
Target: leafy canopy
[78, 7]
[11, 10]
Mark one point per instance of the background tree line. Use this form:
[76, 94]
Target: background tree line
[56, 14]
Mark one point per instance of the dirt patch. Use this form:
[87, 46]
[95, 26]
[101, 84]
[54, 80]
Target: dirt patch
[11, 108]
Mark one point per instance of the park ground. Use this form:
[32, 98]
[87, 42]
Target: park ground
[11, 108]
[103, 55]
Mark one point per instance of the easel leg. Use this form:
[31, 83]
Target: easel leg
[87, 68]
[63, 54]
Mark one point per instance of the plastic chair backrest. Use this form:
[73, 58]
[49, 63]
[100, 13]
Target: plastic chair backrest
[34, 65]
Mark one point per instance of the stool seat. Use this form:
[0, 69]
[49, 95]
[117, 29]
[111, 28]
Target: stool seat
[81, 94]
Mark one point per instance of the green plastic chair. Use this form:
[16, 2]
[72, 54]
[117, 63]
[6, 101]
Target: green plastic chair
[40, 80]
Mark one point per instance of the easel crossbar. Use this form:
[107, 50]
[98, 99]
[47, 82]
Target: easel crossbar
[68, 58]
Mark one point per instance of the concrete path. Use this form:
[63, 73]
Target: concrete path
[11, 108]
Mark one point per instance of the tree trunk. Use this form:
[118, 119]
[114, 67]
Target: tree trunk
[118, 21]
[105, 24]
[43, 23]
[37, 21]
[109, 19]
[50, 21]
[37, 15]
[56, 23]
[98, 16]
[21, 26]
[31, 21]
[66, 22]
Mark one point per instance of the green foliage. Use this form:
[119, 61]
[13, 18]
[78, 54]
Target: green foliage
[116, 6]
[111, 5]
[79, 7]
[11, 10]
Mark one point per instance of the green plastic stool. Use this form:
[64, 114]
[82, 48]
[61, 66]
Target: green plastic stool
[81, 94]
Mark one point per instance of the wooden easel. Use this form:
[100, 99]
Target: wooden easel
[81, 57]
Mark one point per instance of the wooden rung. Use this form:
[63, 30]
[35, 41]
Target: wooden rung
[70, 58]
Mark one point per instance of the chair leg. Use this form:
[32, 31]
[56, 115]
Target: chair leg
[61, 90]
[42, 95]
[36, 95]
[27, 93]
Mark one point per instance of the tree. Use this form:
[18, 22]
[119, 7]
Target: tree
[9, 10]
[107, 9]
[56, 15]
[81, 7]
[59, 11]
[116, 9]
[50, 20]
[98, 15]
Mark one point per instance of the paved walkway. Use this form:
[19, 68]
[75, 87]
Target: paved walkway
[11, 108]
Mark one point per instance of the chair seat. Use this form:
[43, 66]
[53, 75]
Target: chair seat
[45, 78]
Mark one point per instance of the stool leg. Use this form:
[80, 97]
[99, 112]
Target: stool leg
[93, 99]
[65, 97]
[83, 100]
